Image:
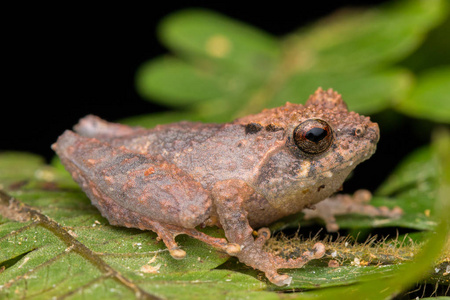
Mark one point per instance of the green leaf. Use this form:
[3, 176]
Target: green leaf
[215, 284]
[365, 39]
[226, 63]
[174, 82]
[323, 277]
[208, 35]
[429, 99]
[417, 171]
[16, 167]
[66, 247]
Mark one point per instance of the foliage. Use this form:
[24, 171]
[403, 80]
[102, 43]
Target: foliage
[225, 69]
[54, 243]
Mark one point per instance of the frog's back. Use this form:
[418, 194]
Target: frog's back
[209, 152]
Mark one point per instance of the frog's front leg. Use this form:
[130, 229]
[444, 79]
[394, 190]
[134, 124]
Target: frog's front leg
[229, 197]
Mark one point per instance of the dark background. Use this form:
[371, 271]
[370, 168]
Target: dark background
[66, 62]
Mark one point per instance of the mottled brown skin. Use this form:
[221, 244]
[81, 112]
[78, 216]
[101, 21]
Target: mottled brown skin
[239, 176]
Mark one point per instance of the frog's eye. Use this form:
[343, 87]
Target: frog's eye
[313, 136]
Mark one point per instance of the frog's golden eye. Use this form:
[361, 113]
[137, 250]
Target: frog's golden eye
[313, 136]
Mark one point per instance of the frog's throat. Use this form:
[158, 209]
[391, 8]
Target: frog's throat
[307, 190]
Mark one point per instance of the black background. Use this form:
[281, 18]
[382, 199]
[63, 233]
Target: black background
[66, 62]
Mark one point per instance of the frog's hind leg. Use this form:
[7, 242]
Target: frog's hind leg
[168, 232]
[168, 237]
[218, 243]
[138, 190]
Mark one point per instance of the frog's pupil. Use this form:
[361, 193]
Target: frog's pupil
[316, 134]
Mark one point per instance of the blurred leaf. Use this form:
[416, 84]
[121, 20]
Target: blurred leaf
[433, 53]
[18, 166]
[208, 35]
[175, 82]
[228, 69]
[429, 99]
[417, 171]
[215, 284]
[323, 277]
[361, 39]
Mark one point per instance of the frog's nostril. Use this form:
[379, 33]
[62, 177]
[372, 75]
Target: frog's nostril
[358, 131]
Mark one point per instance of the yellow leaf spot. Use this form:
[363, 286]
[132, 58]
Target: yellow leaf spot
[45, 175]
[218, 46]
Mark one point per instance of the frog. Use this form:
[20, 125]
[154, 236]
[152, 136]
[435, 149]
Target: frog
[240, 176]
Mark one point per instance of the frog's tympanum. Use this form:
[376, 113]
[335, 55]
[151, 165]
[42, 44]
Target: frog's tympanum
[239, 176]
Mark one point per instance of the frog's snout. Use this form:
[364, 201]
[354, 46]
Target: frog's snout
[373, 133]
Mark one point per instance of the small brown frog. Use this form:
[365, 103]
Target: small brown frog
[240, 175]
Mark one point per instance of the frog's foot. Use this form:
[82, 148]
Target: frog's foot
[229, 197]
[168, 232]
[341, 204]
[252, 255]
[316, 252]
[168, 237]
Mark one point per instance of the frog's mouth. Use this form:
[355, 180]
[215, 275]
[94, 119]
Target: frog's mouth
[323, 168]
[350, 165]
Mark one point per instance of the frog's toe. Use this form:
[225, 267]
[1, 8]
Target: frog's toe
[318, 250]
[263, 236]
[233, 249]
[264, 233]
[281, 280]
[177, 253]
